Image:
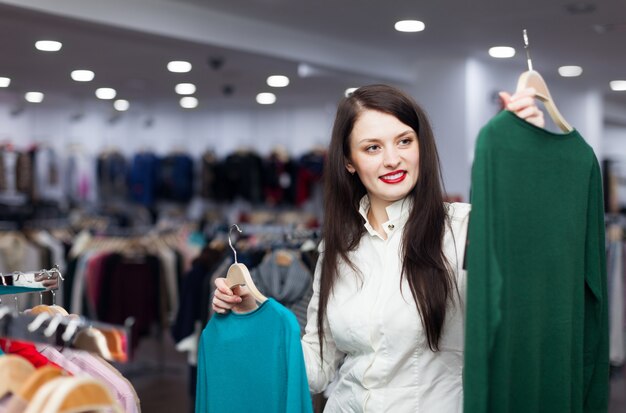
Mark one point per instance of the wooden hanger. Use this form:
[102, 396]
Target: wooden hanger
[14, 372]
[38, 379]
[72, 394]
[532, 78]
[238, 274]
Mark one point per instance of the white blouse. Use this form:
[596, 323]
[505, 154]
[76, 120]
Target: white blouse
[374, 333]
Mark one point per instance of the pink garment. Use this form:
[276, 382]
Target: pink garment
[59, 359]
[99, 369]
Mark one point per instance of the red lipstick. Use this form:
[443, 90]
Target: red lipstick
[393, 177]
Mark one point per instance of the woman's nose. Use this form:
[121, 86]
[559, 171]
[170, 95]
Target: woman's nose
[391, 158]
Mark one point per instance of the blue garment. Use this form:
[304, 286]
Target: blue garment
[12, 289]
[252, 362]
[143, 178]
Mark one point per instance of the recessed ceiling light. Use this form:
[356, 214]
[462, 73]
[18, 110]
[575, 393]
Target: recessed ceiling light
[570, 71]
[48, 45]
[179, 66]
[265, 98]
[105, 93]
[121, 105]
[185, 88]
[277, 81]
[34, 97]
[618, 85]
[349, 91]
[82, 75]
[188, 102]
[409, 26]
[502, 52]
[5, 81]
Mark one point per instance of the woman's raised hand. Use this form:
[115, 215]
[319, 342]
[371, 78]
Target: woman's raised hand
[237, 299]
[524, 105]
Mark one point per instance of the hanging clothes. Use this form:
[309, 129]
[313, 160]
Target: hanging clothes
[537, 325]
[252, 362]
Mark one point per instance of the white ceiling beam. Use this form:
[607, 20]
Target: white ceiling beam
[200, 24]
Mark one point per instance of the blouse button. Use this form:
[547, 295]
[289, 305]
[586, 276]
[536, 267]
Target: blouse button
[391, 227]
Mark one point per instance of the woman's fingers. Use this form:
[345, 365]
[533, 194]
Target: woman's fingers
[524, 105]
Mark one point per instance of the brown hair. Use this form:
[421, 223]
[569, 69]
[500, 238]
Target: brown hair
[424, 265]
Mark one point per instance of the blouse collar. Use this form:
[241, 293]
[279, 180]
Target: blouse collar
[397, 212]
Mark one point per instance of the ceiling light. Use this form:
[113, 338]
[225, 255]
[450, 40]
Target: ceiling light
[502, 52]
[618, 85]
[277, 81]
[5, 81]
[185, 88]
[265, 98]
[349, 91]
[121, 105]
[179, 66]
[409, 26]
[34, 97]
[82, 75]
[188, 102]
[48, 45]
[570, 71]
[105, 93]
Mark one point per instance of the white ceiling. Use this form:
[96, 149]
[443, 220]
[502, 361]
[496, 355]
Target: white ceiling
[352, 41]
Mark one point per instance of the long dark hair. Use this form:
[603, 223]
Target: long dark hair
[424, 265]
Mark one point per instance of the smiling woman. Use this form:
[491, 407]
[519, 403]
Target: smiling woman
[384, 154]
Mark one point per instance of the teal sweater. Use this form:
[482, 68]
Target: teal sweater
[537, 323]
[252, 362]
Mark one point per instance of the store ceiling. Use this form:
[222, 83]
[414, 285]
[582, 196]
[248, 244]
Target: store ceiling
[134, 62]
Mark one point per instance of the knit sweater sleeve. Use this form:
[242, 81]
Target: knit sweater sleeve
[483, 283]
[298, 396]
[596, 335]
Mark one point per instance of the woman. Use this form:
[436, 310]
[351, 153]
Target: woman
[386, 321]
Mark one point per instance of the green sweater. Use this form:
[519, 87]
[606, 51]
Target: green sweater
[537, 323]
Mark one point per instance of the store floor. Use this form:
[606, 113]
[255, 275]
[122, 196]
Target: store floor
[161, 378]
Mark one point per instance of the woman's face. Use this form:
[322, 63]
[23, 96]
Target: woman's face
[385, 156]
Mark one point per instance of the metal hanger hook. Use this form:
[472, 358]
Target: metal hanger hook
[230, 242]
[527, 47]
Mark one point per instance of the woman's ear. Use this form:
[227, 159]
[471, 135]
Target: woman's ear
[349, 166]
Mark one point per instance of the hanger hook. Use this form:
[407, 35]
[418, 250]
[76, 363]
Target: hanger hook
[229, 241]
[527, 48]
[37, 322]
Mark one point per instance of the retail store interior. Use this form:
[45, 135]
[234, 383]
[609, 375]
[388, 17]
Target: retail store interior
[134, 133]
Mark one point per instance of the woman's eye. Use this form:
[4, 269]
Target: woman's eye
[406, 141]
[371, 148]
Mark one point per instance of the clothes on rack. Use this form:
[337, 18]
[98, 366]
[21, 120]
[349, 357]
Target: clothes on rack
[51, 350]
[113, 278]
[536, 323]
[266, 344]
[75, 365]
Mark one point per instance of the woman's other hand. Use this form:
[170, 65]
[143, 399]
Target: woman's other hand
[237, 299]
[524, 105]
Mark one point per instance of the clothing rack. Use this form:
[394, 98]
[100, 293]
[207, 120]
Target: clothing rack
[278, 235]
[61, 330]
